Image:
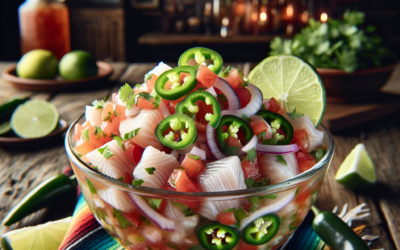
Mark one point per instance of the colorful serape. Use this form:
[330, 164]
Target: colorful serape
[85, 233]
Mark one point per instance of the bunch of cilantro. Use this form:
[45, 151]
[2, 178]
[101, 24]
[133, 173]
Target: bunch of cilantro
[337, 44]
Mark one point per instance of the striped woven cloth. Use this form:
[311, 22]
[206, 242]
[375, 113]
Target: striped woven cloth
[85, 233]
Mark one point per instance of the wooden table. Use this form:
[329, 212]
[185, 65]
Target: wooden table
[20, 171]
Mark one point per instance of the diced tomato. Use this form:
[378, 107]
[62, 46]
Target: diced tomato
[244, 96]
[301, 138]
[145, 104]
[182, 181]
[98, 139]
[203, 110]
[274, 105]
[200, 127]
[137, 153]
[305, 161]
[192, 166]
[206, 76]
[84, 147]
[167, 150]
[78, 132]
[133, 150]
[168, 85]
[171, 110]
[244, 246]
[250, 169]
[112, 116]
[120, 111]
[182, 76]
[227, 218]
[234, 79]
[167, 103]
[150, 83]
[133, 218]
[258, 124]
[232, 141]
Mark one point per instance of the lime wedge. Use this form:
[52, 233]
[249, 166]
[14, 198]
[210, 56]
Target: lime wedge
[34, 118]
[293, 82]
[5, 128]
[357, 170]
[47, 236]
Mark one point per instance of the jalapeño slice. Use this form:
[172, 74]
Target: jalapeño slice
[261, 230]
[215, 236]
[201, 54]
[277, 121]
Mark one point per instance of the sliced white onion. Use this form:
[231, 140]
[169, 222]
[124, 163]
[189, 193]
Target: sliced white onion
[159, 69]
[277, 149]
[211, 90]
[268, 135]
[188, 148]
[199, 152]
[144, 208]
[175, 154]
[212, 144]
[133, 111]
[251, 144]
[252, 108]
[229, 93]
[274, 207]
[164, 109]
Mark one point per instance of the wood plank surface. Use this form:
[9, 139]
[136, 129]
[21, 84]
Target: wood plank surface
[20, 171]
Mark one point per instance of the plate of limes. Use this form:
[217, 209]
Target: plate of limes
[39, 70]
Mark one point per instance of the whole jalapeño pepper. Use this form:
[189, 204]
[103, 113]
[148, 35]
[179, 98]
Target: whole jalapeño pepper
[177, 91]
[215, 236]
[189, 105]
[234, 124]
[178, 123]
[335, 232]
[261, 230]
[44, 195]
[201, 54]
[277, 121]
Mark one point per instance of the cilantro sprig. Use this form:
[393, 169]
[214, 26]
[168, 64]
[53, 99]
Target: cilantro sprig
[105, 152]
[131, 134]
[128, 96]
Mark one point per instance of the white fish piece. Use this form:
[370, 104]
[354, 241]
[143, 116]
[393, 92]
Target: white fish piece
[147, 120]
[315, 136]
[132, 112]
[222, 175]
[277, 172]
[162, 162]
[117, 198]
[159, 69]
[117, 166]
[184, 225]
[93, 115]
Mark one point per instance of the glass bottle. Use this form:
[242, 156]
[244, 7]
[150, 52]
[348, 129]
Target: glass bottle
[44, 24]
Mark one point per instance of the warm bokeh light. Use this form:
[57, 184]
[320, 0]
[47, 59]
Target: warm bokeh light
[225, 21]
[304, 16]
[224, 31]
[254, 16]
[207, 9]
[263, 16]
[324, 17]
[289, 10]
[289, 29]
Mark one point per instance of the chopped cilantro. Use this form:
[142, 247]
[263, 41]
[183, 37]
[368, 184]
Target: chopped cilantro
[137, 182]
[226, 72]
[261, 135]
[246, 118]
[121, 179]
[119, 141]
[107, 117]
[91, 187]
[253, 208]
[281, 160]
[222, 98]
[229, 210]
[318, 154]
[85, 134]
[254, 200]
[263, 106]
[157, 101]
[80, 155]
[105, 152]
[189, 212]
[268, 196]
[294, 114]
[99, 132]
[95, 168]
[143, 95]
[137, 85]
[194, 157]
[249, 182]
[120, 218]
[172, 182]
[98, 104]
[201, 88]
[148, 77]
[146, 221]
[261, 183]
[270, 141]
[251, 155]
[131, 134]
[154, 203]
[125, 93]
[150, 171]
[231, 150]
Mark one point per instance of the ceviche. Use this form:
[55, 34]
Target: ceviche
[198, 127]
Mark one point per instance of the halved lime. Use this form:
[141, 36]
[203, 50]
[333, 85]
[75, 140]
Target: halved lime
[357, 170]
[34, 118]
[293, 82]
[47, 236]
[5, 128]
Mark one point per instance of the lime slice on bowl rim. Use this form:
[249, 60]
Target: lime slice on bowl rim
[357, 170]
[292, 81]
[34, 119]
[45, 236]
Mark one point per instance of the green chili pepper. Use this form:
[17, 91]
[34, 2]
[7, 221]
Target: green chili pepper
[177, 91]
[234, 124]
[177, 122]
[189, 105]
[277, 121]
[201, 55]
[10, 104]
[335, 232]
[261, 230]
[215, 236]
[44, 195]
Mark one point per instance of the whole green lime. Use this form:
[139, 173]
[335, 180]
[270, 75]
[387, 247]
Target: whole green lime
[77, 64]
[38, 64]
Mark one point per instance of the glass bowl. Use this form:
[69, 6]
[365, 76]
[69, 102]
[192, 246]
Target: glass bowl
[171, 227]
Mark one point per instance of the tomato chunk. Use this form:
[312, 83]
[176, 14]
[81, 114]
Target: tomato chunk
[192, 166]
[182, 182]
[250, 169]
[274, 105]
[244, 96]
[232, 141]
[133, 218]
[206, 76]
[150, 83]
[301, 138]
[257, 124]
[305, 161]
[234, 78]
[227, 218]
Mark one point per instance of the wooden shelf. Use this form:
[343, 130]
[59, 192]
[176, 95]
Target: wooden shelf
[169, 39]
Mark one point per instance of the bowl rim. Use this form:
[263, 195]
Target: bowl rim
[222, 195]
